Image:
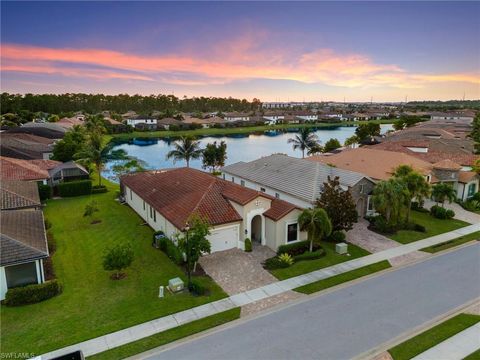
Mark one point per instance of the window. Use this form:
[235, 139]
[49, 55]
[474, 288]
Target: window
[242, 182]
[151, 212]
[370, 204]
[143, 204]
[154, 216]
[292, 232]
[233, 179]
[130, 194]
[362, 189]
[277, 195]
[223, 175]
[472, 189]
[262, 189]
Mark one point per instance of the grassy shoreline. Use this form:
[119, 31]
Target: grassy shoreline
[236, 130]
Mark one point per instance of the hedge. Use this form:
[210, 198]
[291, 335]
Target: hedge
[75, 188]
[32, 294]
[171, 250]
[44, 191]
[310, 255]
[297, 248]
[99, 189]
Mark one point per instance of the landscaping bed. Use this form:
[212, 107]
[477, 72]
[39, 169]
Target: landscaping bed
[432, 337]
[91, 304]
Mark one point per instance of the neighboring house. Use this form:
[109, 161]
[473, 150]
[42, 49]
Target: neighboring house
[165, 123]
[192, 120]
[298, 181]
[68, 123]
[458, 117]
[26, 146]
[232, 117]
[141, 121]
[274, 117]
[45, 171]
[23, 248]
[15, 195]
[305, 116]
[380, 165]
[46, 130]
[166, 199]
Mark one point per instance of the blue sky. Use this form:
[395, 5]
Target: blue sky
[269, 50]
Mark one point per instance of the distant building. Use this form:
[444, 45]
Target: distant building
[457, 117]
[232, 117]
[147, 122]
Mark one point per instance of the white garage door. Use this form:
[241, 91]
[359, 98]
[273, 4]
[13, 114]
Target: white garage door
[223, 238]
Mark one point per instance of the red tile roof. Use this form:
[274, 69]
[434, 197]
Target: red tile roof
[17, 169]
[446, 164]
[467, 176]
[279, 209]
[178, 193]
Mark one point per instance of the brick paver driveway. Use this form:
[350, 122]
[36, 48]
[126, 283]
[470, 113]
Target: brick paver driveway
[236, 271]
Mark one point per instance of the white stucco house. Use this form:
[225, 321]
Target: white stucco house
[166, 200]
[149, 122]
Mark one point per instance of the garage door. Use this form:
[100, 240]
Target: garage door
[223, 238]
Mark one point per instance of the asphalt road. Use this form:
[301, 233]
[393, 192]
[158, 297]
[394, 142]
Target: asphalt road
[347, 322]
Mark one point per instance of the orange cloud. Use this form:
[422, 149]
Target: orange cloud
[243, 59]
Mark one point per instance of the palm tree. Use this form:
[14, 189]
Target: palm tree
[304, 140]
[186, 148]
[442, 192]
[416, 184]
[389, 197]
[316, 223]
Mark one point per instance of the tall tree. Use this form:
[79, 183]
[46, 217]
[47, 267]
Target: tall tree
[316, 223]
[338, 204]
[389, 198]
[304, 140]
[187, 148]
[475, 133]
[442, 192]
[367, 131]
[331, 145]
[64, 150]
[214, 155]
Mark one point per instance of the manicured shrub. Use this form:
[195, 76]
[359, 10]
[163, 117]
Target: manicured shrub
[32, 294]
[274, 263]
[197, 288]
[449, 213]
[471, 205]
[99, 189]
[248, 245]
[310, 255]
[382, 226]
[75, 188]
[171, 250]
[44, 191]
[296, 248]
[336, 236]
[439, 212]
[476, 196]
[287, 259]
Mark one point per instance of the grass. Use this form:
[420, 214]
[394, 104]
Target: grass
[236, 130]
[433, 225]
[168, 336]
[433, 336]
[339, 279]
[452, 243]
[473, 356]
[331, 258]
[91, 304]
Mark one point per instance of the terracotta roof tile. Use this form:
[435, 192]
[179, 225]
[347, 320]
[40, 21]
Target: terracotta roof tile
[446, 164]
[279, 209]
[466, 176]
[17, 169]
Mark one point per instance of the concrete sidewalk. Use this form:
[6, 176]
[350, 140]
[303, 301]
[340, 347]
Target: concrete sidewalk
[137, 332]
[457, 347]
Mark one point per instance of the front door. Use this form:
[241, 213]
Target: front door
[257, 229]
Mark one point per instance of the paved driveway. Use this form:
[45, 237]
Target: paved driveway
[460, 213]
[349, 321]
[236, 271]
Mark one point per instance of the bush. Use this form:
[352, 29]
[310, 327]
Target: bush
[44, 191]
[274, 263]
[439, 212]
[75, 188]
[449, 214]
[99, 189]
[310, 255]
[336, 236]
[471, 205]
[171, 250]
[248, 245]
[382, 226]
[297, 248]
[32, 294]
[287, 259]
[420, 228]
[196, 288]
[476, 196]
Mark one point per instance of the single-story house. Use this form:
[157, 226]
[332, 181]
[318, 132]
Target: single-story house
[26, 146]
[465, 117]
[47, 130]
[232, 117]
[166, 199]
[69, 123]
[298, 181]
[23, 246]
[141, 121]
[15, 195]
[165, 123]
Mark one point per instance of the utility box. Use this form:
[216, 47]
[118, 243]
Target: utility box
[341, 248]
[175, 284]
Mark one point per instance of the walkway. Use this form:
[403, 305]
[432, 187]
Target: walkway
[457, 347]
[137, 332]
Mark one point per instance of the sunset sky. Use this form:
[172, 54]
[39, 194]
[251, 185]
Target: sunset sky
[273, 51]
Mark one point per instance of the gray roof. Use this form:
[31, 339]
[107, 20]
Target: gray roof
[19, 194]
[50, 126]
[297, 177]
[69, 165]
[22, 236]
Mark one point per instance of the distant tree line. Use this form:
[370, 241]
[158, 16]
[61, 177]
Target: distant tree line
[95, 103]
[443, 105]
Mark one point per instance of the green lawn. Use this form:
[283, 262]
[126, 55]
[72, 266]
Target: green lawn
[91, 304]
[473, 356]
[168, 336]
[433, 225]
[237, 130]
[330, 259]
[339, 279]
[452, 243]
[432, 337]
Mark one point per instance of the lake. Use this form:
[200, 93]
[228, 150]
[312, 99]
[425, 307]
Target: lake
[242, 147]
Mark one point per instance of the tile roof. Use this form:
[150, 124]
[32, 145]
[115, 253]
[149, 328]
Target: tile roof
[446, 164]
[25, 146]
[279, 209]
[297, 177]
[22, 236]
[178, 193]
[17, 169]
[467, 176]
[18, 194]
[377, 164]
